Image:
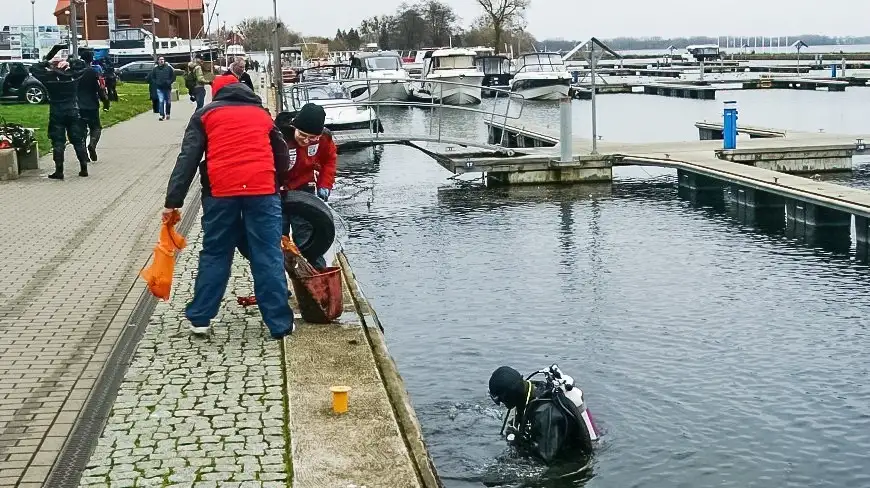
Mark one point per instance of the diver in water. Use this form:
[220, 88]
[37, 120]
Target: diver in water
[551, 420]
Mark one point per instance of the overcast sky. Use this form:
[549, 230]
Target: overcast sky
[569, 19]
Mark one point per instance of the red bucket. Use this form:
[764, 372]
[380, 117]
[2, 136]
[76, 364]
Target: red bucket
[319, 296]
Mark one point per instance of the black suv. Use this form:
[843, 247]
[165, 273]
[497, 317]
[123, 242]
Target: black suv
[16, 82]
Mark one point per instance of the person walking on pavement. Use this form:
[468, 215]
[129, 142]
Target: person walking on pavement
[313, 158]
[237, 69]
[111, 80]
[246, 158]
[90, 94]
[61, 81]
[163, 76]
[195, 81]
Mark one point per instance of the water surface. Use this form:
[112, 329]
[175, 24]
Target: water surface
[712, 353]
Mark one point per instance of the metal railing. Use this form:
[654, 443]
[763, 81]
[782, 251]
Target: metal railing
[501, 106]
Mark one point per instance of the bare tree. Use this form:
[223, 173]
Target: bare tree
[441, 20]
[258, 34]
[503, 13]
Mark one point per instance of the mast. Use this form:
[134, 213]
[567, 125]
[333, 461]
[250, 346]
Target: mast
[110, 13]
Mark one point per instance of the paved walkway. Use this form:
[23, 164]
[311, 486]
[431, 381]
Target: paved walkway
[196, 412]
[70, 252]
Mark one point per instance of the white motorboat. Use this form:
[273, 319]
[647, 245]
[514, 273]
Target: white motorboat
[449, 77]
[134, 44]
[540, 76]
[496, 73]
[376, 76]
[342, 114]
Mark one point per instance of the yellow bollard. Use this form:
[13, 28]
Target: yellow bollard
[339, 398]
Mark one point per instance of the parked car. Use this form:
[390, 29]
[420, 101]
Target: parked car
[137, 71]
[16, 82]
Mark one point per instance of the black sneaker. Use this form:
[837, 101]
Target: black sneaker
[56, 176]
[92, 152]
[83, 173]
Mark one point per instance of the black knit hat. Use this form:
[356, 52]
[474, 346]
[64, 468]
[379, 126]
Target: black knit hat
[310, 119]
[506, 385]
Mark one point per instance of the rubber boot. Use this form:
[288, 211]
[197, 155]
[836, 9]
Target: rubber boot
[82, 155]
[58, 167]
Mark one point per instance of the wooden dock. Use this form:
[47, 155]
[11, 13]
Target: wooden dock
[699, 92]
[756, 174]
[708, 131]
[795, 84]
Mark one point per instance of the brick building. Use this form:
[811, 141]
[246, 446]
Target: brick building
[172, 15]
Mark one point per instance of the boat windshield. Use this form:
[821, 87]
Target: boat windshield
[458, 61]
[493, 66]
[541, 62]
[332, 91]
[382, 63]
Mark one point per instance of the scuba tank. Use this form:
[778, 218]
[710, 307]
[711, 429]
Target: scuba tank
[575, 394]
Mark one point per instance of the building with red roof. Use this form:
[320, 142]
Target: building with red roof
[172, 15]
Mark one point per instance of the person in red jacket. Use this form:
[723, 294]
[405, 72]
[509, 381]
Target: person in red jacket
[246, 161]
[313, 158]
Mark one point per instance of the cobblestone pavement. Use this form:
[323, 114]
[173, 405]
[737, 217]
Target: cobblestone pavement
[196, 412]
[70, 252]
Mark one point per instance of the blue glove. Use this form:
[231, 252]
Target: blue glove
[323, 194]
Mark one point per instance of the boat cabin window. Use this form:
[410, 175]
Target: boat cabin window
[493, 66]
[128, 35]
[332, 91]
[383, 63]
[541, 62]
[453, 62]
[173, 44]
[164, 45]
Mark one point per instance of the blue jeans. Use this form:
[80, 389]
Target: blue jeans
[199, 95]
[164, 101]
[301, 230]
[259, 220]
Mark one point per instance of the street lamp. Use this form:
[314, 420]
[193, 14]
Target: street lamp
[207, 38]
[277, 80]
[153, 35]
[33, 25]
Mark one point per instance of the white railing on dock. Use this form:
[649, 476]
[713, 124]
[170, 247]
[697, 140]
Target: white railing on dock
[504, 107]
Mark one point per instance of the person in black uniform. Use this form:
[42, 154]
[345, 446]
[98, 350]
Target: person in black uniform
[111, 79]
[61, 81]
[90, 95]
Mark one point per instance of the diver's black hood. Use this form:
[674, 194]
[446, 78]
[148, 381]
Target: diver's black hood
[508, 386]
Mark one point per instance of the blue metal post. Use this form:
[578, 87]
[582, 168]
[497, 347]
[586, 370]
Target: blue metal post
[575, 76]
[833, 71]
[729, 125]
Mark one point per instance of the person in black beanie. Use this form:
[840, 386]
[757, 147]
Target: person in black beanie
[313, 161]
[61, 80]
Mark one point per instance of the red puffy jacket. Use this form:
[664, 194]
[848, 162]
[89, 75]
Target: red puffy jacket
[245, 154]
[305, 160]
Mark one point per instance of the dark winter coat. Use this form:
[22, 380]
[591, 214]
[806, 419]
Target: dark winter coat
[162, 76]
[245, 154]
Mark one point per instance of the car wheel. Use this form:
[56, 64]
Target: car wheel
[34, 95]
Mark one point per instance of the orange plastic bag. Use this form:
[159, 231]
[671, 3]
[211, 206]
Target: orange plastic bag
[159, 274]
